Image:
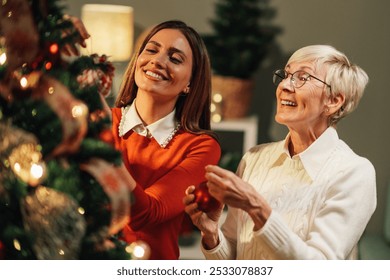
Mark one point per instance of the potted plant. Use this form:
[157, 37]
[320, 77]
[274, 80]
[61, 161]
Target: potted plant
[237, 46]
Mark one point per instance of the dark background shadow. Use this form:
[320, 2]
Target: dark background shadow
[263, 103]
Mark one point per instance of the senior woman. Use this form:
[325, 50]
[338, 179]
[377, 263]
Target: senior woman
[308, 196]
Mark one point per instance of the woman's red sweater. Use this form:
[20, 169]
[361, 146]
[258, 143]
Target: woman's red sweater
[162, 176]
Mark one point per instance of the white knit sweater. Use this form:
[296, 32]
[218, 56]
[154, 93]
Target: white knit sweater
[321, 199]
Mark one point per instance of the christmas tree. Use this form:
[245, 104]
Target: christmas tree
[52, 123]
[241, 36]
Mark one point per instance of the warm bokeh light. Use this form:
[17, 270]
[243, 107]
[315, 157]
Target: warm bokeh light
[139, 250]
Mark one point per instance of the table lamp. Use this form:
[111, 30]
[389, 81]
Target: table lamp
[111, 28]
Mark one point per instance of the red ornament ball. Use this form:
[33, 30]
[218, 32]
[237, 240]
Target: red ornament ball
[2, 251]
[107, 137]
[206, 202]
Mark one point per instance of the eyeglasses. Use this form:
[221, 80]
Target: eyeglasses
[298, 78]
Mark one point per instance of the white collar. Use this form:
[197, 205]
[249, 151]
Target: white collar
[162, 130]
[314, 157]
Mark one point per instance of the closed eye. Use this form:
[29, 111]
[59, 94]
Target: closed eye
[176, 60]
[149, 50]
[176, 56]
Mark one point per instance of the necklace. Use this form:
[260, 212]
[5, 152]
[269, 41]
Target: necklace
[170, 136]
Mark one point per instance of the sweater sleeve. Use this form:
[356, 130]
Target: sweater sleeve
[344, 212]
[163, 200]
[226, 249]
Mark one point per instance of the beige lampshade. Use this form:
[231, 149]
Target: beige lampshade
[111, 28]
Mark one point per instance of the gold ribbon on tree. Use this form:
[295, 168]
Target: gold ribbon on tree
[115, 181]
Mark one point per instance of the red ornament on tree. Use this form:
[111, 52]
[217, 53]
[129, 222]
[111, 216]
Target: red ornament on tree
[2, 251]
[107, 137]
[206, 202]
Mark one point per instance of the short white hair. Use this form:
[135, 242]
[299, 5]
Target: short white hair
[343, 77]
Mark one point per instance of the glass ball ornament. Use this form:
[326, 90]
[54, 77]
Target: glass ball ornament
[205, 201]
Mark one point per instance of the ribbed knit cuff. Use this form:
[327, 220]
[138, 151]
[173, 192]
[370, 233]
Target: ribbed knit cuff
[274, 232]
[221, 252]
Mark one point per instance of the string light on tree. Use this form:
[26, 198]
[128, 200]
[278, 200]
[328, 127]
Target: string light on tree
[24, 82]
[26, 162]
[3, 57]
[3, 54]
[139, 250]
[79, 111]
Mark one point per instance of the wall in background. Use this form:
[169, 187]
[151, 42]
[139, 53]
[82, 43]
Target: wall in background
[358, 28]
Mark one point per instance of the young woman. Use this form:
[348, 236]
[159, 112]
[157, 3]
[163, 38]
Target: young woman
[161, 124]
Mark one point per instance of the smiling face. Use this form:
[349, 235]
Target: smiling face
[304, 108]
[164, 67]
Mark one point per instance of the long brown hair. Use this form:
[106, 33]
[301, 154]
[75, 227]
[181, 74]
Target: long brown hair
[192, 109]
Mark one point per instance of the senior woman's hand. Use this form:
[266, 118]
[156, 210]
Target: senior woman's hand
[230, 189]
[207, 223]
